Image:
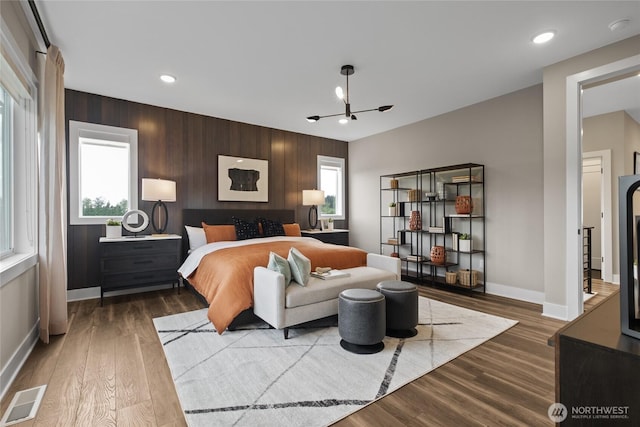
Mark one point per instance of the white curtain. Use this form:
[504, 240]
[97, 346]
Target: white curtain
[52, 198]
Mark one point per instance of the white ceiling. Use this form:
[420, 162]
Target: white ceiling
[274, 63]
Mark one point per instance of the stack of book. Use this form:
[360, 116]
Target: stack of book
[330, 275]
[415, 258]
[436, 229]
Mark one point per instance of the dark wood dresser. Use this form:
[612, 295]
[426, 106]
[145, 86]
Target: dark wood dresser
[336, 236]
[136, 262]
[598, 369]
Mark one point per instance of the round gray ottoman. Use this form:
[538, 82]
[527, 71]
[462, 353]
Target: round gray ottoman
[361, 320]
[402, 307]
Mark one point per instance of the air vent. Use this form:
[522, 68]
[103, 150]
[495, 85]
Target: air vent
[24, 406]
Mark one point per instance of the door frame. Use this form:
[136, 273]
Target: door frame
[606, 230]
[573, 185]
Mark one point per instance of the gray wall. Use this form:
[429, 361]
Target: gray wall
[504, 134]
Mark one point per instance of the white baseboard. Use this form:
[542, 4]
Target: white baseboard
[528, 295]
[555, 311]
[10, 371]
[94, 292]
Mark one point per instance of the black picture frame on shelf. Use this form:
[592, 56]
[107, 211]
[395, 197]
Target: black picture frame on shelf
[636, 163]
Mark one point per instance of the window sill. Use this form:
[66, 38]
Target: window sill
[15, 265]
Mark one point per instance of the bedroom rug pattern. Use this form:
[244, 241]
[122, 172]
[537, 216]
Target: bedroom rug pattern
[253, 377]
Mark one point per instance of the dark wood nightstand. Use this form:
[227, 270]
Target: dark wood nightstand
[130, 262]
[337, 236]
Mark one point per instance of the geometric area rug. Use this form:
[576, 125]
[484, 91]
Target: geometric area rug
[254, 377]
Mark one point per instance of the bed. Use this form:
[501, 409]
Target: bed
[222, 272]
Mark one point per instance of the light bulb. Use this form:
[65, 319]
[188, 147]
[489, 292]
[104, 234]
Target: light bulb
[339, 92]
[343, 121]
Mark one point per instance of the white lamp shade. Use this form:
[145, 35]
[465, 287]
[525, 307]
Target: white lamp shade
[158, 190]
[312, 197]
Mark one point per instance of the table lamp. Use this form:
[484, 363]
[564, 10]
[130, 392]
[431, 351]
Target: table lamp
[159, 191]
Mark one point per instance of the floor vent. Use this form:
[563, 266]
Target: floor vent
[24, 406]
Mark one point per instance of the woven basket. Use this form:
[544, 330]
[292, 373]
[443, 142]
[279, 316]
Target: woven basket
[468, 277]
[450, 277]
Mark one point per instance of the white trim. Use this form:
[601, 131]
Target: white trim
[555, 311]
[94, 292]
[15, 265]
[607, 226]
[511, 292]
[34, 25]
[100, 132]
[573, 188]
[338, 162]
[18, 358]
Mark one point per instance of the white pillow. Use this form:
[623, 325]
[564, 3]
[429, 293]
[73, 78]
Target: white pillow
[300, 267]
[197, 237]
[281, 265]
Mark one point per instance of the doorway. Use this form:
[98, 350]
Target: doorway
[574, 244]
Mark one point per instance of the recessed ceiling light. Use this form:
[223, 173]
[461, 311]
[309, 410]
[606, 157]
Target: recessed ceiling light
[167, 78]
[619, 24]
[543, 37]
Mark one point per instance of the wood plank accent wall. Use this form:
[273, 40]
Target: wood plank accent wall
[184, 147]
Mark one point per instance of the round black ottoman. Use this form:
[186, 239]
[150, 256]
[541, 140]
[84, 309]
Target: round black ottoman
[361, 320]
[402, 307]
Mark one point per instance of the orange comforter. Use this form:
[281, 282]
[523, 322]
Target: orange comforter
[225, 277]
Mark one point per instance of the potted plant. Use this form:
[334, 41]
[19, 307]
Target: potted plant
[393, 209]
[330, 224]
[114, 229]
[464, 243]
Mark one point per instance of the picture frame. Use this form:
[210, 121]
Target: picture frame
[636, 163]
[242, 179]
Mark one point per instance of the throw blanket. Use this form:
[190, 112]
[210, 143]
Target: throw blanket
[225, 276]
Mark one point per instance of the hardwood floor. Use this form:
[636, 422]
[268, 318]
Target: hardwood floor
[109, 369]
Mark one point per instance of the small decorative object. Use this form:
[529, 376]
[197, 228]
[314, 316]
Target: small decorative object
[393, 209]
[414, 195]
[133, 229]
[330, 224]
[415, 221]
[450, 277]
[393, 183]
[464, 242]
[430, 195]
[468, 277]
[114, 229]
[392, 240]
[438, 254]
[464, 205]
[394, 255]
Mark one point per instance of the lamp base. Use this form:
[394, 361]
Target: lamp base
[159, 228]
[313, 217]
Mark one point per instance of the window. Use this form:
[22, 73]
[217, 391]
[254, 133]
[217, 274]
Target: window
[331, 181]
[6, 193]
[18, 160]
[103, 169]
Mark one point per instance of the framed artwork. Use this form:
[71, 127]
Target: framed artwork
[636, 163]
[243, 180]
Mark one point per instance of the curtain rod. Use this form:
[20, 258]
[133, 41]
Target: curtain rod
[36, 16]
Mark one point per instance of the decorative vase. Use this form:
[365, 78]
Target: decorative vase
[438, 254]
[393, 210]
[464, 245]
[330, 226]
[464, 205]
[415, 222]
[114, 231]
[393, 183]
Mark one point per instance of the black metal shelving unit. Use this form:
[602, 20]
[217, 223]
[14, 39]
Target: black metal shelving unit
[432, 193]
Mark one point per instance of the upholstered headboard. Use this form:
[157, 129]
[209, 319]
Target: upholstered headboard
[195, 218]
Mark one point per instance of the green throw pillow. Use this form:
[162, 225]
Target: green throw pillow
[281, 265]
[300, 266]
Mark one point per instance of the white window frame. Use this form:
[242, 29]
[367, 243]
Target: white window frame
[78, 130]
[20, 81]
[336, 162]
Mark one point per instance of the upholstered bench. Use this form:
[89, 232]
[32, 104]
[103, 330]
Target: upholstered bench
[361, 320]
[402, 307]
[283, 306]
